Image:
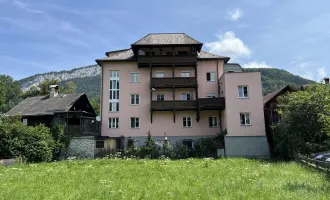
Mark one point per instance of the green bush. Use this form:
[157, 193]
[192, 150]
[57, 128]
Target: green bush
[181, 152]
[35, 144]
[61, 140]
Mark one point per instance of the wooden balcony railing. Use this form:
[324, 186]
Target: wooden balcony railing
[170, 105]
[169, 82]
[211, 103]
[166, 59]
[203, 103]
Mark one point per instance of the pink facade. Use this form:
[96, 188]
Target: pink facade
[229, 83]
[162, 120]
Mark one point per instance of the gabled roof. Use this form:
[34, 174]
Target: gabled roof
[128, 55]
[43, 105]
[209, 56]
[274, 95]
[166, 39]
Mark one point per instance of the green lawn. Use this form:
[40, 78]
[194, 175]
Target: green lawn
[163, 179]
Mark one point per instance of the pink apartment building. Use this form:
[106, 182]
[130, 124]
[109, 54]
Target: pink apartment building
[166, 84]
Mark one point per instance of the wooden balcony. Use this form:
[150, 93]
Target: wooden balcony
[211, 103]
[170, 105]
[144, 61]
[178, 82]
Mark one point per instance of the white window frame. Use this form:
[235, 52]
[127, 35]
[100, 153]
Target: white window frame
[113, 106]
[136, 99]
[186, 119]
[160, 74]
[211, 95]
[212, 79]
[114, 91]
[160, 94]
[215, 122]
[135, 77]
[25, 121]
[245, 118]
[240, 89]
[184, 96]
[113, 122]
[135, 120]
[185, 73]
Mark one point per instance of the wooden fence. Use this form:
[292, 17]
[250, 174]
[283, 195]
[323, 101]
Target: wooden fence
[317, 164]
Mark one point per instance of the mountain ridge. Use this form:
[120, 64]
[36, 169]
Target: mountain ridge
[272, 79]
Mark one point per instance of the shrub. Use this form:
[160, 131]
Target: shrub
[182, 151]
[35, 144]
[61, 140]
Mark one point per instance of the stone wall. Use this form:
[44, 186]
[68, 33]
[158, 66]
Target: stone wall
[81, 147]
[247, 146]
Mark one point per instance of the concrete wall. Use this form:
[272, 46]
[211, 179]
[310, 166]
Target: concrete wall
[81, 147]
[247, 146]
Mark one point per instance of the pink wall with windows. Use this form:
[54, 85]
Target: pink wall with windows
[204, 86]
[234, 105]
[162, 121]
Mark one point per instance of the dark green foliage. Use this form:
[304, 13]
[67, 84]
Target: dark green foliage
[96, 105]
[89, 85]
[205, 147]
[275, 79]
[182, 152]
[35, 144]
[9, 93]
[149, 148]
[61, 140]
[305, 124]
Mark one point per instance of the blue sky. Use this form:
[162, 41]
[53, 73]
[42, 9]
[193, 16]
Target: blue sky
[50, 35]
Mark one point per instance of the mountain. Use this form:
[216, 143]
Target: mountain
[88, 79]
[274, 79]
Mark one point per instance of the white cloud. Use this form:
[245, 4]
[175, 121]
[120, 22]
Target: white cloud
[228, 45]
[26, 7]
[308, 69]
[321, 73]
[234, 14]
[256, 65]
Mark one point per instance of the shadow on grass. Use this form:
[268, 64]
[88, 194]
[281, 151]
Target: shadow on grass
[295, 186]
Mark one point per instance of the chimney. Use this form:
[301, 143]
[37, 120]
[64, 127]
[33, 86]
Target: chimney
[326, 80]
[53, 91]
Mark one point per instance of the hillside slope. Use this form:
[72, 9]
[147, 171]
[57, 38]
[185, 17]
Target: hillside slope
[88, 79]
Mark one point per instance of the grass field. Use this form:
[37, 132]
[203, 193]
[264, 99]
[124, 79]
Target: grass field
[163, 179]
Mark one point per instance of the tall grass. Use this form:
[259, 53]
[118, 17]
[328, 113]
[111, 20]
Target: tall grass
[162, 179]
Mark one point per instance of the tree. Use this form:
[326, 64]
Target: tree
[96, 105]
[305, 124]
[9, 93]
[43, 88]
[69, 88]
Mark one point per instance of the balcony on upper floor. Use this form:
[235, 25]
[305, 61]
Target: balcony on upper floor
[177, 82]
[166, 61]
[211, 103]
[170, 105]
[201, 103]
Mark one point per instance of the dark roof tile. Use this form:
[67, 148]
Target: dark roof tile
[166, 39]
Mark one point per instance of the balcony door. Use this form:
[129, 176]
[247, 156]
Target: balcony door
[186, 96]
[185, 74]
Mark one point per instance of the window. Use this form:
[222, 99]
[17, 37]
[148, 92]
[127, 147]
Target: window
[160, 97]
[181, 53]
[211, 95]
[159, 74]
[114, 106]
[99, 144]
[185, 74]
[114, 74]
[25, 121]
[245, 118]
[243, 92]
[135, 122]
[135, 99]
[186, 96]
[210, 76]
[135, 77]
[186, 122]
[213, 122]
[114, 91]
[113, 122]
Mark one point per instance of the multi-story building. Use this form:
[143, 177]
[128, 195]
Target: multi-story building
[166, 84]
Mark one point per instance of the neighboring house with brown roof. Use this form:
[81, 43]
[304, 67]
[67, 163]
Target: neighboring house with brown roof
[271, 115]
[72, 110]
